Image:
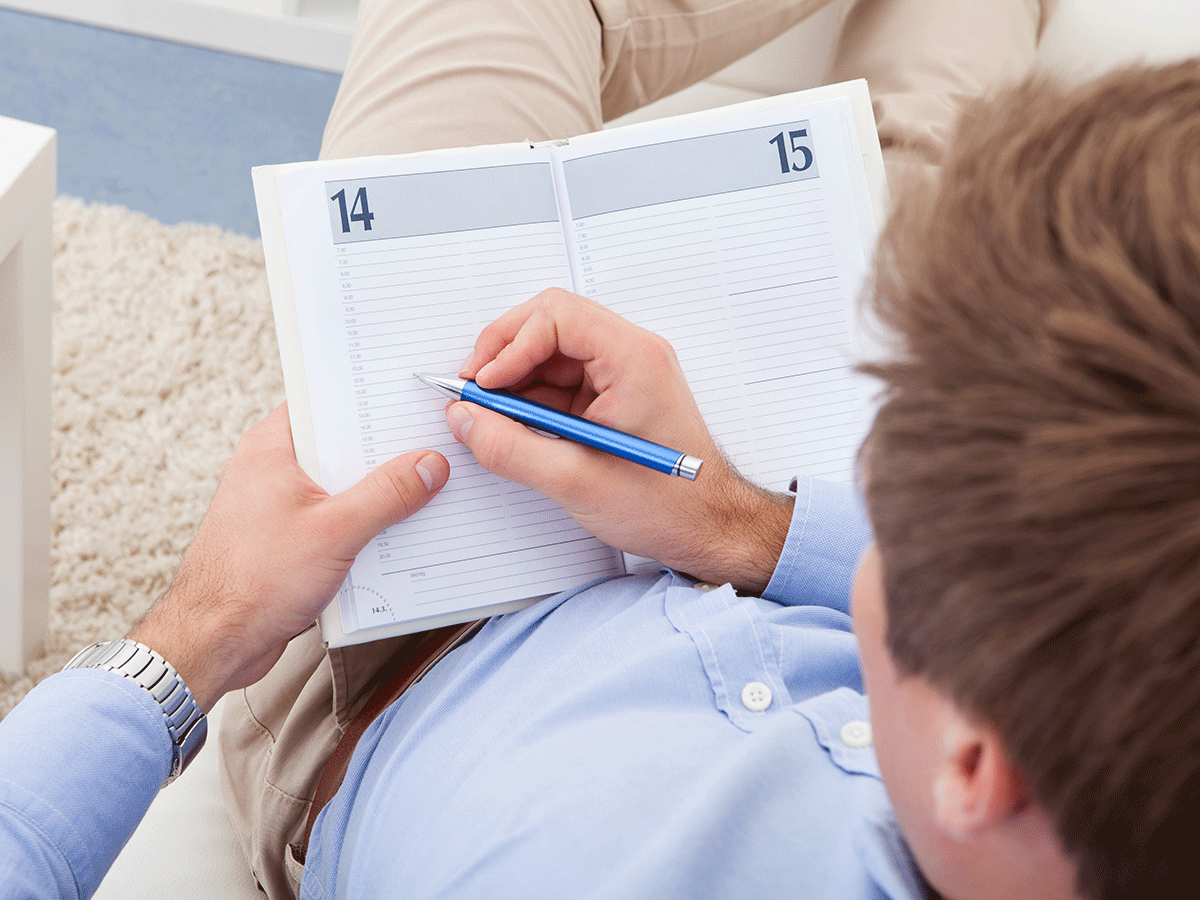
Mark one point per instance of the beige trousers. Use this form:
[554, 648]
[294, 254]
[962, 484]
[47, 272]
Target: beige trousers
[426, 74]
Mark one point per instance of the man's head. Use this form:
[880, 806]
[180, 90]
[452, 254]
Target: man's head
[1034, 474]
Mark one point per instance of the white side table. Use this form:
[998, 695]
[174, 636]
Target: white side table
[27, 187]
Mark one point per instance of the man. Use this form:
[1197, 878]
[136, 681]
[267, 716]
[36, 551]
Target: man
[425, 74]
[1027, 622]
[641, 737]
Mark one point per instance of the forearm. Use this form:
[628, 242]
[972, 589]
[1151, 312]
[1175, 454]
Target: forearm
[741, 530]
[183, 630]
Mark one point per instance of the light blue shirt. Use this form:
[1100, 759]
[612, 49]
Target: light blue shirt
[614, 742]
[642, 737]
[81, 757]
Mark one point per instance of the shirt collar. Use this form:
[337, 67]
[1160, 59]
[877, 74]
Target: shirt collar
[886, 856]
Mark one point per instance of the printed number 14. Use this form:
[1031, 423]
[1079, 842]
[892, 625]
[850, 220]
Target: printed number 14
[784, 163]
[359, 212]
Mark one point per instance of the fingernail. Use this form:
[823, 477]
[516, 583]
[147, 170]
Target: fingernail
[466, 363]
[432, 473]
[483, 372]
[459, 420]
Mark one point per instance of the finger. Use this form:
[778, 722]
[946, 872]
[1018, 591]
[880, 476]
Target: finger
[561, 327]
[534, 343]
[575, 401]
[390, 494]
[263, 469]
[559, 371]
[549, 395]
[512, 451]
[495, 337]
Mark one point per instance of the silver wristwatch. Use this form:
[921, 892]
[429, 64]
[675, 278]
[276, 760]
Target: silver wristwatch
[185, 722]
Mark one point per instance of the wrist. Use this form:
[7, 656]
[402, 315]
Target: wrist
[190, 645]
[747, 530]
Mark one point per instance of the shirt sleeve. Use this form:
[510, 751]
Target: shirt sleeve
[81, 757]
[828, 534]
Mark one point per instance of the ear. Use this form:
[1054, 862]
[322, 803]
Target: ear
[976, 787]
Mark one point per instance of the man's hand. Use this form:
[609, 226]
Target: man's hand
[271, 552]
[573, 354]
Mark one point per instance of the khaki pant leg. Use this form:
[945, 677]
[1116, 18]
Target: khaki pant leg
[652, 48]
[275, 739]
[924, 59]
[426, 74]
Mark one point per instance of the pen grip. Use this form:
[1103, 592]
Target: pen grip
[537, 415]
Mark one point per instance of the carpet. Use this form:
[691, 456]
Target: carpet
[164, 354]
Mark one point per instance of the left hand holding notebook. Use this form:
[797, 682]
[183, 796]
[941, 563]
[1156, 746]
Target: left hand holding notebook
[271, 551]
[574, 354]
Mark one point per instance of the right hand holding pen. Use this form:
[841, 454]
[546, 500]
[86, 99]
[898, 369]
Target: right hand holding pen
[573, 354]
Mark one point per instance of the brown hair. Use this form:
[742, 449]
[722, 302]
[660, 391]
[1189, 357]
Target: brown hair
[1034, 473]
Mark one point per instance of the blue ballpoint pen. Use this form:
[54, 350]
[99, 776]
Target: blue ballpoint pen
[565, 425]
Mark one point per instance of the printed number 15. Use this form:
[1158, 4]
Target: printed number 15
[785, 164]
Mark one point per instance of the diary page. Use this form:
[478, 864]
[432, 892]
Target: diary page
[396, 265]
[744, 242]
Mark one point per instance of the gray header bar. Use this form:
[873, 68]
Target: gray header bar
[689, 168]
[394, 206]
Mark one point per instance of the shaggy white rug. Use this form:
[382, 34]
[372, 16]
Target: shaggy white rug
[164, 354]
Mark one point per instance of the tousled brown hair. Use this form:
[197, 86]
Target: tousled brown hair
[1034, 472]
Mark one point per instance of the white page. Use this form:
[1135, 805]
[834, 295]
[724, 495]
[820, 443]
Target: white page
[752, 273]
[452, 244]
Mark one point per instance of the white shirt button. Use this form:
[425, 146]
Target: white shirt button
[856, 734]
[704, 588]
[756, 696]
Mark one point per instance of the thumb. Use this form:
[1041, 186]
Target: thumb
[389, 494]
[512, 451]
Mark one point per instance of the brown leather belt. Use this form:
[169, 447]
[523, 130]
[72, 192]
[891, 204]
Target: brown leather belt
[402, 671]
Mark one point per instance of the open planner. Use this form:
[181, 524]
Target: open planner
[741, 235]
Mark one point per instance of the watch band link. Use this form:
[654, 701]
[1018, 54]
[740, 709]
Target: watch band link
[186, 724]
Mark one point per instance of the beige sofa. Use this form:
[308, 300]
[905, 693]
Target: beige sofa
[185, 848]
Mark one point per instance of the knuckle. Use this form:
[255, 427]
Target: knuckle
[558, 303]
[660, 351]
[487, 334]
[556, 296]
